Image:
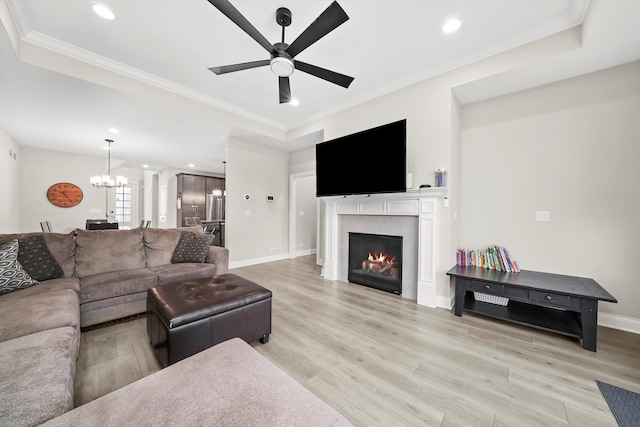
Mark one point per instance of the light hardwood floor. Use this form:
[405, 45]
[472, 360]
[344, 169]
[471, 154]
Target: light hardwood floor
[383, 360]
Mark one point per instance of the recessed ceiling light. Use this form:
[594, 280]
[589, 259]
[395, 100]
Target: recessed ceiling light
[191, 165]
[114, 130]
[145, 166]
[104, 12]
[451, 26]
[294, 102]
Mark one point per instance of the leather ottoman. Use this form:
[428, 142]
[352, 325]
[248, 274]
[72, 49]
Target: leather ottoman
[186, 318]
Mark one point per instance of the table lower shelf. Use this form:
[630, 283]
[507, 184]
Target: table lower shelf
[548, 319]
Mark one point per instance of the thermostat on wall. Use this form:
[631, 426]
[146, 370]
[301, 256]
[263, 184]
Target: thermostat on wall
[270, 198]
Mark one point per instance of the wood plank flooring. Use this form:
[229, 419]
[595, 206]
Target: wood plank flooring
[382, 360]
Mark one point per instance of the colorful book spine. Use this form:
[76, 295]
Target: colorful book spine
[493, 258]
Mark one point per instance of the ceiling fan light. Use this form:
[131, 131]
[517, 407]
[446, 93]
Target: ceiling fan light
[282, 67]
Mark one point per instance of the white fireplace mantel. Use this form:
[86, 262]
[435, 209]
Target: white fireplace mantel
[425, 204]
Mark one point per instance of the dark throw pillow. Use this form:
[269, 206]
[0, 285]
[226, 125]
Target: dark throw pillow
[191, 248]
[36, 259]
[12, 275]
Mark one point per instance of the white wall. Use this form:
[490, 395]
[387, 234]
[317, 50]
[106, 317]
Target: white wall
[149, 191]
[570, 148]
[433, 135]
[10, 158]
[39, 169]
[256, 230]
[306, 219]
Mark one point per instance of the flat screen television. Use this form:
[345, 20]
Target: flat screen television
[368, 162]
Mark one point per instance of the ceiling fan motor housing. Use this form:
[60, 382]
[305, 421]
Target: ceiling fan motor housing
[281, 62]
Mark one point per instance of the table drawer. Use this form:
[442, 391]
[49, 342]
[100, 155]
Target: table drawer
[487, 287]
[550, 298]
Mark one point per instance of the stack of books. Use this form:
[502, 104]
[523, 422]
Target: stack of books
[493, 258]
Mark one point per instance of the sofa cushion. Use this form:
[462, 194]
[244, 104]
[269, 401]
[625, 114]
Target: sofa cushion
[173, 273]
[61, 245]
[191, 248]
[39, 312]
[115, 284]
[47, 286]
[101, 251]
[36, 379]
[37, 260]
[12, 275]
[159, 243]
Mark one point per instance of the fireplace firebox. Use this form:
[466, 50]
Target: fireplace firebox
[376, 261]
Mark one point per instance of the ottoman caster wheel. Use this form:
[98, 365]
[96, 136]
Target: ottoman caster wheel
[264, 339]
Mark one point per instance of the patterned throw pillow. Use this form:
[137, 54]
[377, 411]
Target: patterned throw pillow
[12, 275]
[36, 259]
[191, 248]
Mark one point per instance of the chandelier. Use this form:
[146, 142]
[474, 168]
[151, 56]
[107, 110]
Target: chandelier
[105, 180]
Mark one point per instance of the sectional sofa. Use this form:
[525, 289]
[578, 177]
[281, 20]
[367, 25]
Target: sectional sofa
[90, 277]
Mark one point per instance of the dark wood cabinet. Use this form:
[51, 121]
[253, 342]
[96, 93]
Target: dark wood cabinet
[192, 191]
[566, 305]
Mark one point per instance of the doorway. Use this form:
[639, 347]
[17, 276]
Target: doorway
[303, 214]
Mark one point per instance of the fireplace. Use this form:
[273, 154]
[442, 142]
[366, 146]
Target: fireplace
[376, 261]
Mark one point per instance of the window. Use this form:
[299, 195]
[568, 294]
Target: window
[123, 204]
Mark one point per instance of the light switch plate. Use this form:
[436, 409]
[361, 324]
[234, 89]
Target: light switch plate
[543, 216]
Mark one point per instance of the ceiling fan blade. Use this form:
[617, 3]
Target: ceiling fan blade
[285, 90]
[238, 67]
[234, 15]
[323, 73]
[329, 20]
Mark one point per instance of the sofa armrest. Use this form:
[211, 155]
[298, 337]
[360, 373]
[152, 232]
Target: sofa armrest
[218, 256]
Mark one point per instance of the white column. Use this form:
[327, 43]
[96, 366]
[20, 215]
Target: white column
[330, 268]
[427, 253]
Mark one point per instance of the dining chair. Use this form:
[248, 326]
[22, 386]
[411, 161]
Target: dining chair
[188, 221]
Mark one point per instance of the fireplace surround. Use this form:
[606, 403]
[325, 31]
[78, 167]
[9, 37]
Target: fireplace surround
[423, 206]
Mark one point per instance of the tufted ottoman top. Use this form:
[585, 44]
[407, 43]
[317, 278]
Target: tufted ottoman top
[182, 303]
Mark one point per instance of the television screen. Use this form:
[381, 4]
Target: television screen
[368, 162]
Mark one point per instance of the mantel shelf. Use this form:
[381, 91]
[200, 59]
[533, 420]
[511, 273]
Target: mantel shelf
[411, 193]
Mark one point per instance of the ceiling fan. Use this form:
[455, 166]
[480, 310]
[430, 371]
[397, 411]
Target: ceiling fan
[282, 63]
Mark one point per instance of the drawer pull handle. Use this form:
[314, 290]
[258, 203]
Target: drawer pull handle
[548, 298]
[487, 287]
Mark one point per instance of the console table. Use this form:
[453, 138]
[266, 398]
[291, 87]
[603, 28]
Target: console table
[566, 305]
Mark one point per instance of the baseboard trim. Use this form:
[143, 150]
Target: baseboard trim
[628, 324]
[255, 261]
[304, 252]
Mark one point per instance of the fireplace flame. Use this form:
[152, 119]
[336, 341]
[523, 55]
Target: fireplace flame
[381, 258]
[378, 263]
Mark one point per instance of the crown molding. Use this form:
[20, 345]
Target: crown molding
[71, 51]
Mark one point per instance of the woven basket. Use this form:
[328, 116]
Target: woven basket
[491, 299]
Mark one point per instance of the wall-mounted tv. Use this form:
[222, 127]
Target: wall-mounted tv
[368, 162]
